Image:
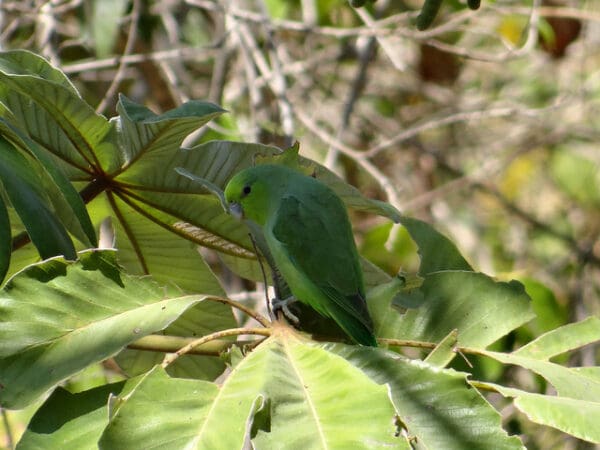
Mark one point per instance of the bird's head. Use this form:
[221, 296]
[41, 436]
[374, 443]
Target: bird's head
[249, 192]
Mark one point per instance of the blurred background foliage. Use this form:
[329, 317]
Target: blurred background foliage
[484, 124]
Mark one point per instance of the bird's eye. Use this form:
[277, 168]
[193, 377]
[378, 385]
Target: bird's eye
[247, 189]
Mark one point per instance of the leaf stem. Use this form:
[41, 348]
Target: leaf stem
[406, 343]
[10, 441]
[429, 345]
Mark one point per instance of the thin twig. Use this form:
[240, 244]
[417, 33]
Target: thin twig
[464, 116]
[170, 344]
[356, 88]
[131, 38]
[182, 53]
[378, 176]
[169, 359]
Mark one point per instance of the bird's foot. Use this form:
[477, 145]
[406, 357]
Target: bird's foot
[282, 304]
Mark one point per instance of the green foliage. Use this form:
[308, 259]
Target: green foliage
[67, 315]
[157, 294]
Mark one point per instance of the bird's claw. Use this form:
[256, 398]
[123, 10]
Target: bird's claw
[282, 304]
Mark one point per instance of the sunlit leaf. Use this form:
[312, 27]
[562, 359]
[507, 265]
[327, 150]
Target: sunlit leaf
[577, 417]
[568, 382]
[285, 391]
[60, 316]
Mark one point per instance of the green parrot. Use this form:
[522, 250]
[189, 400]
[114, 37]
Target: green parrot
[308, 238]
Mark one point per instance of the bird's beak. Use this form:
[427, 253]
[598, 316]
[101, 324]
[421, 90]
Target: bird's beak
[235, 209]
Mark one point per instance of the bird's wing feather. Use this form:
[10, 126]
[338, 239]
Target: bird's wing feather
[313, 232]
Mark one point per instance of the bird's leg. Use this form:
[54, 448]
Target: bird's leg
[282, 304]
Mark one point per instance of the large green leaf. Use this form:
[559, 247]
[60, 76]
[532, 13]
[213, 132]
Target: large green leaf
[436, 406]
[27, 196]
[60, 316]
[69, 421]
[285, 393]
[577, 417]
[314, 395]
[481, 309]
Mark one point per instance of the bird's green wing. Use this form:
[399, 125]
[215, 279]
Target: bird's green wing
[312, 243]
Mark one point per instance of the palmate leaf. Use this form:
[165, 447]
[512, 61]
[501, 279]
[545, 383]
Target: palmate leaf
[64, 133]
[133, 156]
[58, 317]
[293, 394]
[286, 392]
